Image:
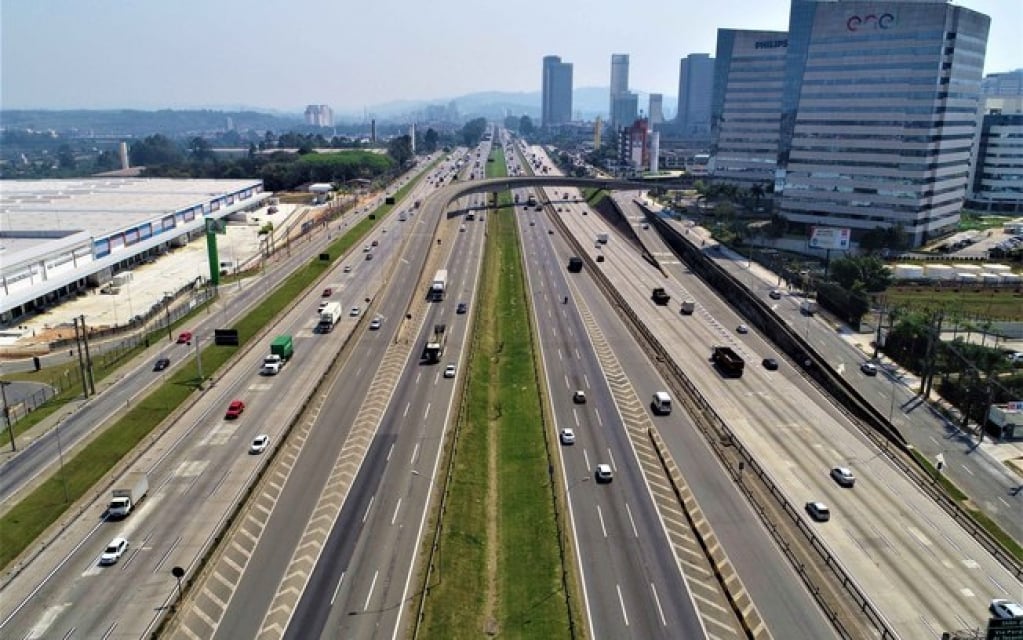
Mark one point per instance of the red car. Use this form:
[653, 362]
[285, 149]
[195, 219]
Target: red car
[328, 292]
[184, 337]
[234, 409]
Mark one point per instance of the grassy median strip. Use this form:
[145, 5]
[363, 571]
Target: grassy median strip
[498, 569]
[30, 517]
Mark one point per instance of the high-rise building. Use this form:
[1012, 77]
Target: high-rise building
[879, 114]
[745, 107]
[625, 109]
[655, 112]
[996, 179]
[556, 92]
[319, 115]
[1009, 83]
[619, 86]
[695, 85]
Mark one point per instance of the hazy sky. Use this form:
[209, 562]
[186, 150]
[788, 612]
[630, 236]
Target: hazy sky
[150, 54]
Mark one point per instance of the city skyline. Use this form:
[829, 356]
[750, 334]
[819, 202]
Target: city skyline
[233, 54]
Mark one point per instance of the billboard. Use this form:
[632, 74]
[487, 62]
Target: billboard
[829, 238]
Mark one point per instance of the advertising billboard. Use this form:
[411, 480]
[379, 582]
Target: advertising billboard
[829, 238]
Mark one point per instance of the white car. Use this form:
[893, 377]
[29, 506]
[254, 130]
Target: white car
[742, 329]
[567, 436]
[1006, 609]
[375, 324]
[843, 476]
[604, 473]
[449, 371]
[354, 312]
[869, 368]
[579, 397]
[818, 511]
[259, 444]
[114, 551]
[348, 268]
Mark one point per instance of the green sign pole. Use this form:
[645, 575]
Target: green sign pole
[212, 227]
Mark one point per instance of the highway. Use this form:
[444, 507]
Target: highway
[887, 534]
[199, 470]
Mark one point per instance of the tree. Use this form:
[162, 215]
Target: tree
[511, 123]
[107, 161]
[526, 125]
[430, 140]
[867, 272]
[472, 131]
[200, 150]
[155, 150]
[400, 150]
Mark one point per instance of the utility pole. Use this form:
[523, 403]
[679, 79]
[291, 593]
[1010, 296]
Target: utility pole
[7, 413]
[88, 358]
[198, 358]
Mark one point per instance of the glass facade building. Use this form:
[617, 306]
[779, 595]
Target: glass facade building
[555, 92]
[879, 114]
[619, 87]
[695, 85]
[745, 104]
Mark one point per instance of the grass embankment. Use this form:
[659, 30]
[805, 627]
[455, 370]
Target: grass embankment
[499, 568]
[42, 507]
[972, 302]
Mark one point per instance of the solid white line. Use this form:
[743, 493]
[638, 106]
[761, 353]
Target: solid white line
[396, 508]
[600, 516]
[415, 452]
[337, 588]
[368, 507]
[635, 532]
[371, 587]
[657, 601]
[621, 601]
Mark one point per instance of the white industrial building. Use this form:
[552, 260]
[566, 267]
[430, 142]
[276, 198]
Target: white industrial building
[61, 237]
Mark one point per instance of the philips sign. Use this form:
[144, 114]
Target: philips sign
[770, 44]
[871, 21]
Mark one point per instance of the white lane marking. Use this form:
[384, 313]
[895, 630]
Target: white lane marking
[369, 507]
[404, 414]
[426, 414]
[1004, 501]
[389, 452]
[966, 469]
[419, 376]
[621, 601]
[612, 458]
[586, 457]
[560, 356]
[600, 516]
[394, 517]
[46, 621]
[586, 381]
[600, 420]
[371, 587]
[657, 601]
[337, 588]
[567, 383]
[575, 416]
[415, 452]
[578, 356]
[635, 532]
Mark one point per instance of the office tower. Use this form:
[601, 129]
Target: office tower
[625, 109]
[695, 84]
[1009, 83]
[319, 115]
[619, 87]
[556, 92]
[996, 180]
[879, 114]
[745, 107]
[655, 112]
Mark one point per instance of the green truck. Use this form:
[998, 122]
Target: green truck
[282, 346]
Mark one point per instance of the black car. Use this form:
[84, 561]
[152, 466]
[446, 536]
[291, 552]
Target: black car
[161, 364]
[770, 364]
[462, 308]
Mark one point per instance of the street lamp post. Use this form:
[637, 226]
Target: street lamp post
[7, 413]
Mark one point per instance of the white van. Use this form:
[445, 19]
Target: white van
[661, 403]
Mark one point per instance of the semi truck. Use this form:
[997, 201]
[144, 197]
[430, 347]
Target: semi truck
[127, 495]
[439, 285]
[281, 350]
[660, 296]
[688, 307]
[330, 315]
[575, 264]
[434, 349]
[728, 361]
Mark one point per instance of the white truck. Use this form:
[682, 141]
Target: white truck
[808, 307]
[688, 306]
[439, 285]
[272, 365]
[330, 315]
[128, 495]
[602, 237]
